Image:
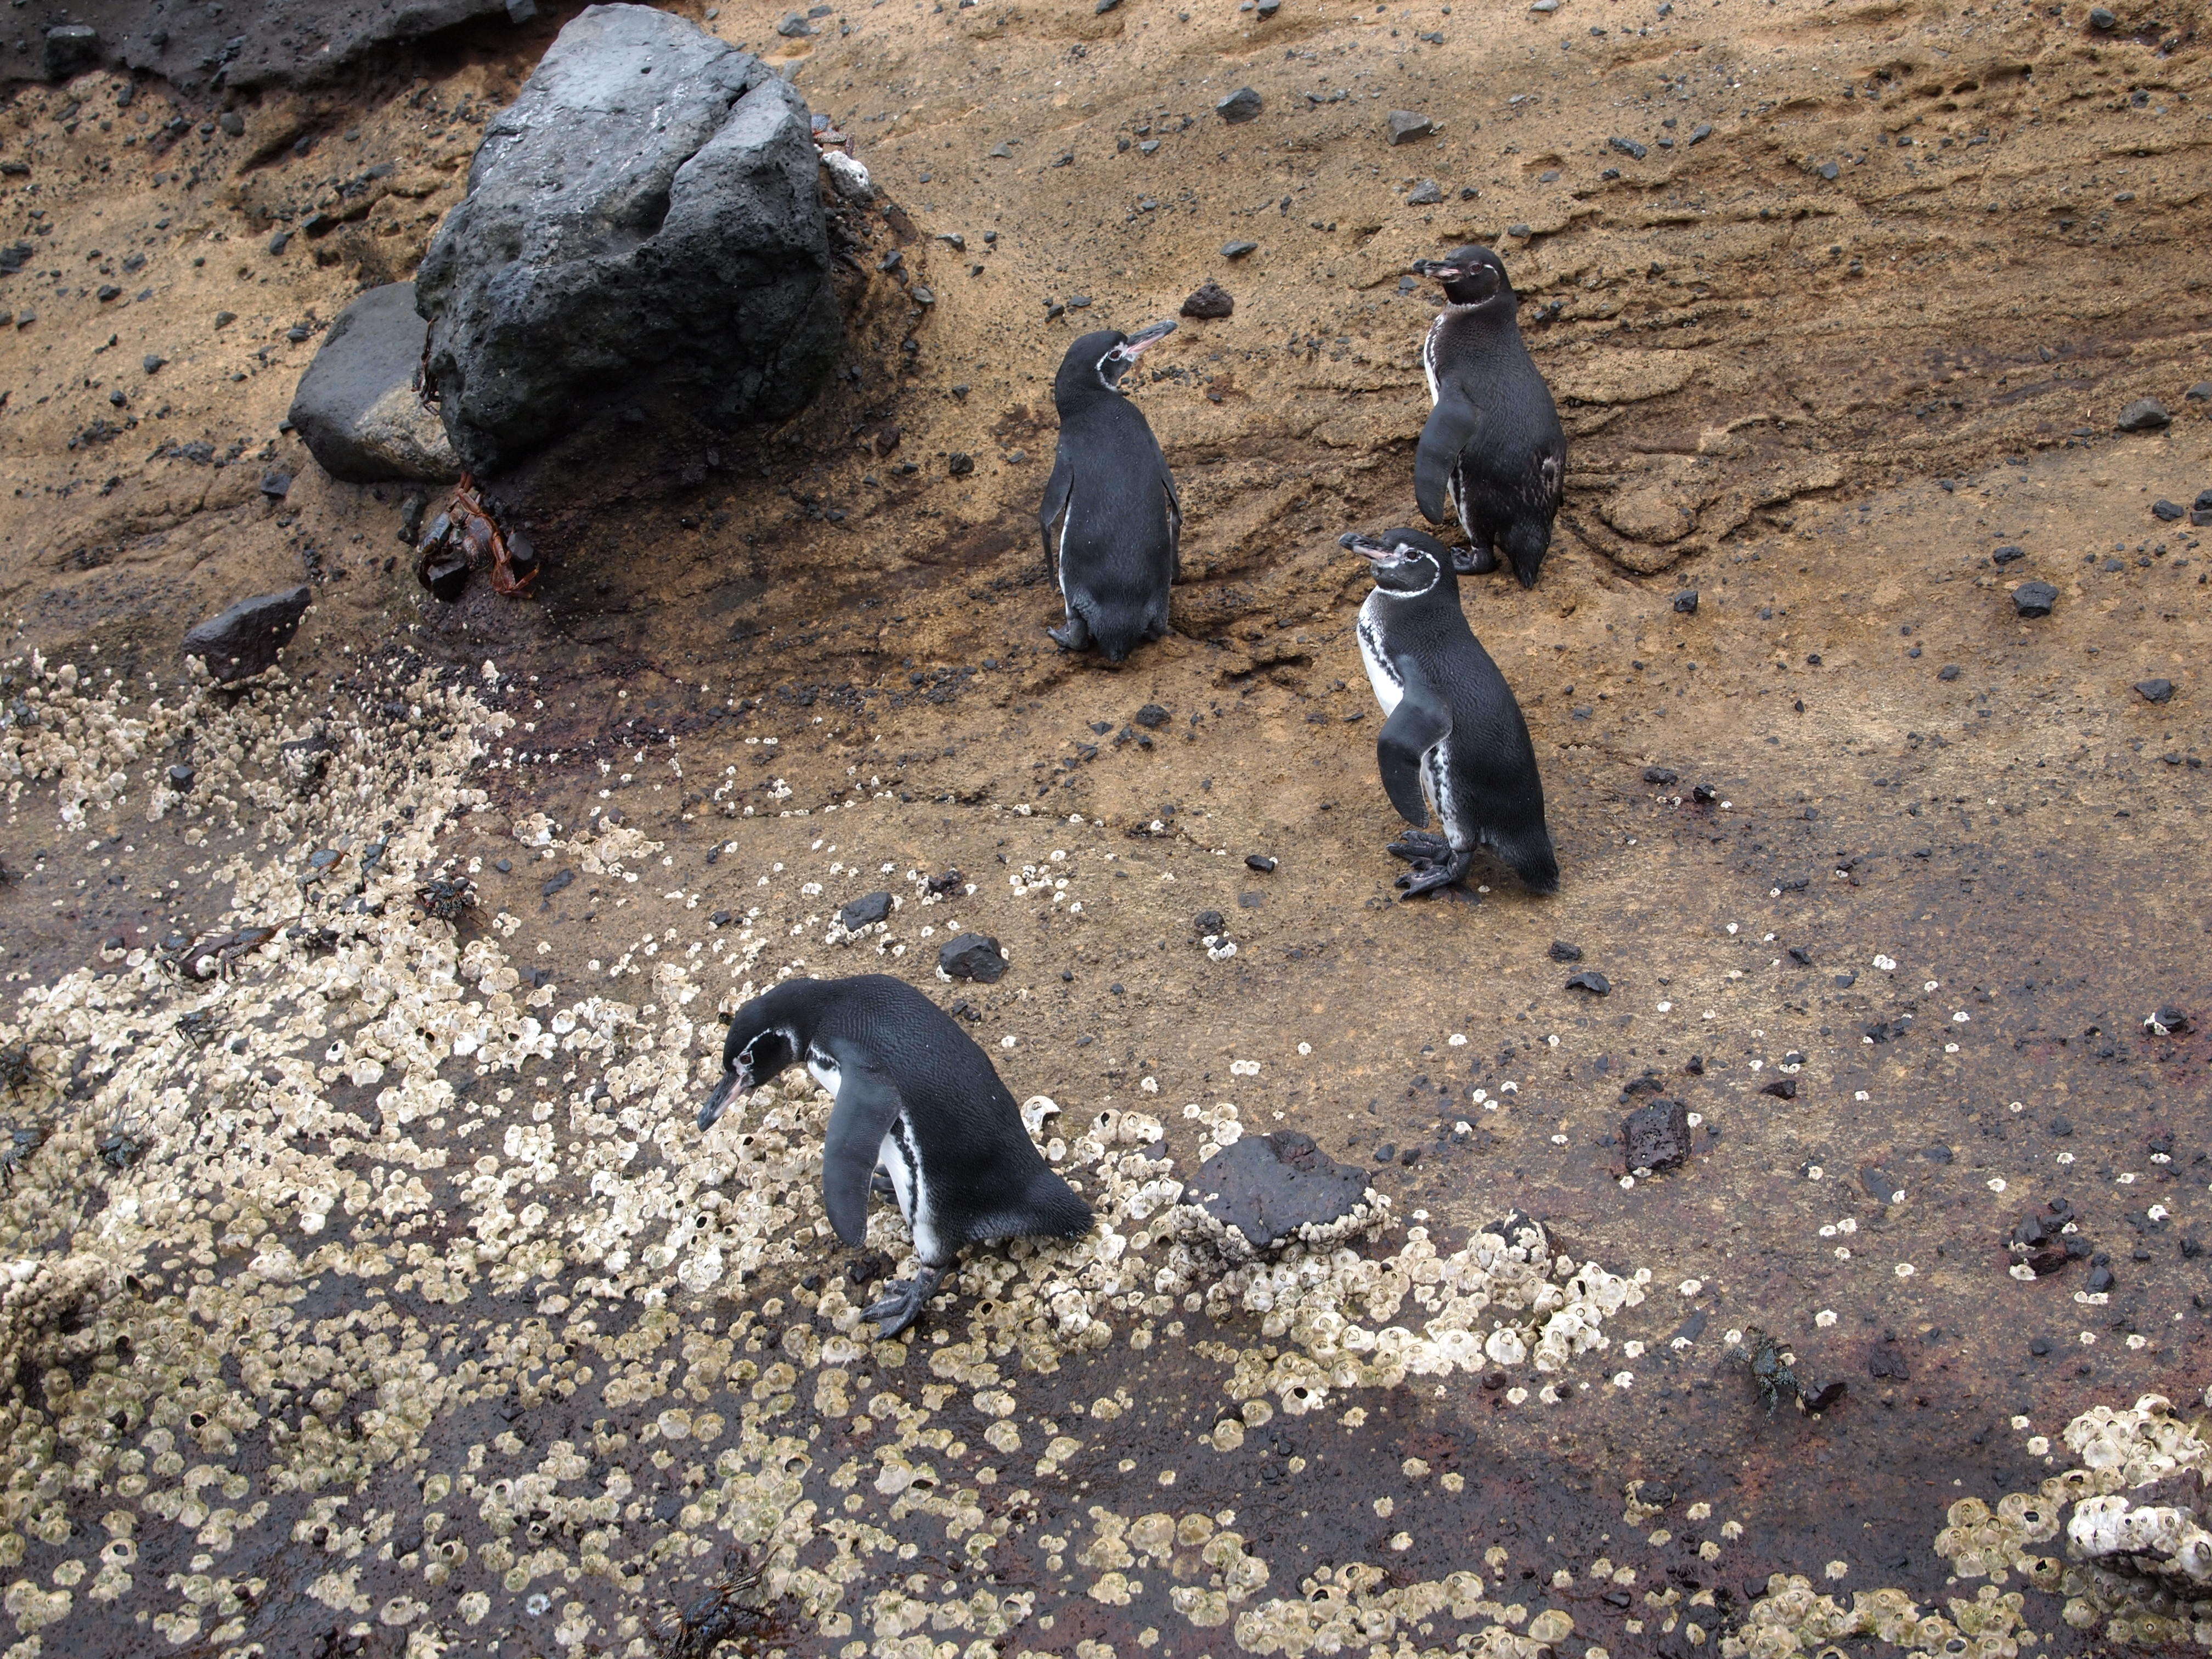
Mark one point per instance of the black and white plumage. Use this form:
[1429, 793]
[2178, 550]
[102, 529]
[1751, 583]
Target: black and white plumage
[916, 1097]
[1453, 742]
[1111, 520]
[1492, 454]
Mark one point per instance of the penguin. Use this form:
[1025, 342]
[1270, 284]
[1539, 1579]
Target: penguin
[1453, 740]
[1120, 522]
[1493, 454]
[916, 1097]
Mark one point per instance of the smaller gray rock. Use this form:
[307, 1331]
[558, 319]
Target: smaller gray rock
[1687, 602]
[356, 407]
[1427, 193]
[1562, 950]
[1209, 300]
[2167, 512]
[1634, 151]
[1405, 125]
[245, 639]
[2145, 415]
[1657, 1137]
[2157, 690]
[864, 912]
[794, 27]
[232, 123]
[69, 50]
[1240, 105]
[1268, 1187]
[2034, 598]
[1238, 249]
[2101, 18]
[1591, 981]
[2199, 394]
[974, 957]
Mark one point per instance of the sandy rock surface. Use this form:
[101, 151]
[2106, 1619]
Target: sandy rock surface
[365, 1282]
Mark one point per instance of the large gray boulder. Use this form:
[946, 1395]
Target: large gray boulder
[644, 224]
[357, 407]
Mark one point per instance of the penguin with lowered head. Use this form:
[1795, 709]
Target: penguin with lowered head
[1112, 522]
[916, 1099]
[1453, 743]
[1492, 454]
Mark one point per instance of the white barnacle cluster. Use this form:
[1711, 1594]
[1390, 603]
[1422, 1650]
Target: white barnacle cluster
[1352, 1608]
[1496, 1302]
[1792, 1618]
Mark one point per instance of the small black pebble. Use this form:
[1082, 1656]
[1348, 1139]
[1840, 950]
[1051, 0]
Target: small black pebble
[1949, 671]
[1705, 794]
[1687, 602]
[2039, 1346]
[1386, 1152]
[2157, 690]
[1659, 774]
[503, 866]
[1153, 716]
[1591, 981]
[1207, 922]
[1562, 951]
[2034, 598]
[1260, 862]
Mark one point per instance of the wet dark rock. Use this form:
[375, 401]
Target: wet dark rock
[1562, 951]
[672, 231]
[1705, 794]
[864, 912]
[1783, 1087]
[2145, 415]
[2168, 1021]
[1887, 1362]
[1260, 862]
[2099, 1279]
[356, 407]
[1209, 300]
[1268, 1187]
[2034, 598]
[1208, 924]
[555, 882]
[1827, 1395]
[947, 883]
[1240, 105]
[1661, 775]
[2155, 690]
[1657, 1136]
[1685, 602]
[69, 50]
[1405, 125]
[181, 776]
[1238, 249]
[972, 957]
[1591, 981]
[245, 639]
[1153, 716]
[2167, 512]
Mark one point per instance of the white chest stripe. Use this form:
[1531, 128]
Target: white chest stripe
[1381, 674]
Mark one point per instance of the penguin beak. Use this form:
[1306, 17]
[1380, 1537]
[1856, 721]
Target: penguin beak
[1437, 269]
[1366, 546]
[731, 1083]
[1134, 346]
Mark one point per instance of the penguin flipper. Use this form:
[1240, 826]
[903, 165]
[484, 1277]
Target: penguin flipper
[1057, 489]
[1451, 426]
[1420, 721]
[868, 1103]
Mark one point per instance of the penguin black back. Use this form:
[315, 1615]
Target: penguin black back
[1492, 453]
[1454, 741]
[1111, 522]
[915, 1094]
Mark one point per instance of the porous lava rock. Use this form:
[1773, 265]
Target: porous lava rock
[643, 226]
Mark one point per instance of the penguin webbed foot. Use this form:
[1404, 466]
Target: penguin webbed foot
[1427, 875]
[881, 1184]
[908, 1299]
[1421, 847]
[1073, 634]
[1472, 561]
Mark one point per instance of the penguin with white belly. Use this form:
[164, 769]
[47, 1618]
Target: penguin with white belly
[1453, 742]
[916, 1097]
[1111, 520]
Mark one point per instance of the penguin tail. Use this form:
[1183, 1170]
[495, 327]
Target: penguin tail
[1524, 545]
[1529, 856]
[1054, 1210]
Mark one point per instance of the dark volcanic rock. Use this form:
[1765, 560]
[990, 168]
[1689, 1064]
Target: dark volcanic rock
[1405, 125]
[2156, 690]
[1657, 1136]
[1687, 602]
[356, 407]
[245, 639]
[643, 224]
[864, 912]
[1267, 1187]
[972, 955]
[1242, 104]
[1209, 300]
[1151, 717]
[2034, 598]
[2145, 415]
[948, 882]
[69, 50]
[1562, 951]
[1591, 981]
[1661, 775]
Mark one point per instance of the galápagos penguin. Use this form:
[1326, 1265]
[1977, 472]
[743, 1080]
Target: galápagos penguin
[1493, 454]
[1120, 523]
[914, 1096]
[1453, 741]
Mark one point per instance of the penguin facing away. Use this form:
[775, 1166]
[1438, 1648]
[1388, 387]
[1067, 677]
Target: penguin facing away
[1112, 501]
[1493, 454]
[916, 1097]
[1453, 742]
